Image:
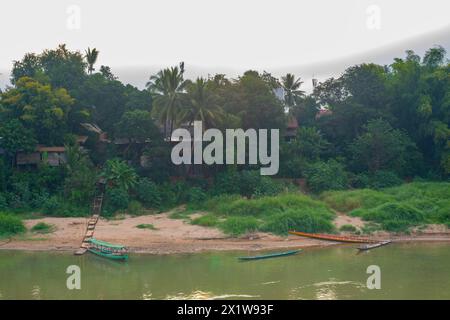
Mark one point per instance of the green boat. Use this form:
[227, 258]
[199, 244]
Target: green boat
[271, 255]
[108, 250]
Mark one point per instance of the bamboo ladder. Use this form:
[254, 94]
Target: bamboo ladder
[96, 209]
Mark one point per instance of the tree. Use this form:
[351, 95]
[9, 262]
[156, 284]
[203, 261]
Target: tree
[119, 174]
[14, 137]
[201, 105]
[107, 73]
[292, 92]
[40, 108]
[434, 57]
[366, 84]
[254, 102]
[106, 100]
[137, 126]
[305, 111]
[382, 147]
[167, 88]
[296, 155]
[64, 68]
[79, 184]
[30, 66]
[91, 57]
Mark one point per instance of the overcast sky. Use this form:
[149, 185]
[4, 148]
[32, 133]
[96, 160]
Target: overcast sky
[213, 34]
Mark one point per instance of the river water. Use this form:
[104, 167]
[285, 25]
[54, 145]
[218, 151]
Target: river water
[407, 271]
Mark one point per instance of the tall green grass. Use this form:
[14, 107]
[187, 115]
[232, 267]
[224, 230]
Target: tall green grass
[276, 214]
[346, 201]
[208, 220]
[239, 225]
[299, 220]
[43, 228]
[10, 225]
[397, 208]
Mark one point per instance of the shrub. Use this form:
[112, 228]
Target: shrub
[134, 208]
[208, 220]
[239, 225]
[329, 175]
[169, 196]
[348, 228]
[266, 206]
[227, 182]
[360, 180]
[292, 219]
[196, 196]
[217, 203]
[441, 214]
[146, 226]
[52, 206]
[371, 227]
[396, 225]
[116, 199]
[384, 179]
[148, 193]
[248, 183]
[345, 201]
[392, 216]
[3, 202]
[43, 227]
[268, 187]
[10, 225]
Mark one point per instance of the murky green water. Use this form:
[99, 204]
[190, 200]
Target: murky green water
[408, 271]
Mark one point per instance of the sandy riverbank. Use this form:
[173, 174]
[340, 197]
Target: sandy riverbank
[176, 236]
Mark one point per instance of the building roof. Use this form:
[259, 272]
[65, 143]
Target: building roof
[323, 112]
[50, 149]
[292, 123]
[81, 139]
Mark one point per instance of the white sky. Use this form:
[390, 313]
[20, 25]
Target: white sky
[260, 34]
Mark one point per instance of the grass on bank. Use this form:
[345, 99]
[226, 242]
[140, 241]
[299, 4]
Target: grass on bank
[396, 209]
[10, 225]
[43, 228]
[237, 215]
[146, 226]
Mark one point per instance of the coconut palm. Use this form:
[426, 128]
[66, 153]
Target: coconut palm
[91, 58]
[292, 90]
[201, 104]
[120, 174]
[168, 90]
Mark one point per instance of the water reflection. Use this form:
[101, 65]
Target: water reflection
[270, 282]
[36, 292]
[203, 295]
[147, 295]
[327, 290]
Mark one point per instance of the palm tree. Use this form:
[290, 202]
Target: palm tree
[292, 90]
[120, 174]
[167, 87]
[201, 104]
[91, 58]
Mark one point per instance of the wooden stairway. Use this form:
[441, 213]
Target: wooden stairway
[96, 210]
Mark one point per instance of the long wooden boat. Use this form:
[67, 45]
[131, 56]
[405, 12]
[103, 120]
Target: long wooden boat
[108, 250]
[330, 237]
[373, 246]
[271, 255]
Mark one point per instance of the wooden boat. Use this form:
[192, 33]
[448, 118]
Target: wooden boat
[271, 255]
[108, 250]
[330, 237]
[374, 245]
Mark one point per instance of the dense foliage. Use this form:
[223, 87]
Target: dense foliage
[373, 127]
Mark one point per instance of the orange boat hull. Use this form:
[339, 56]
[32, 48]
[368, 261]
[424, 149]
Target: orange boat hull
[330, 237]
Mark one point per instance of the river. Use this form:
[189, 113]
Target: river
[408, 271]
